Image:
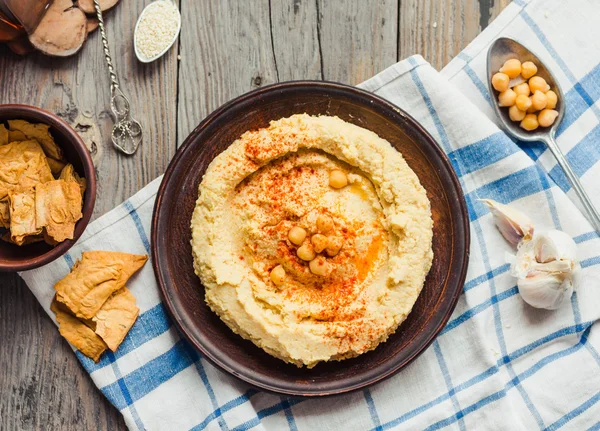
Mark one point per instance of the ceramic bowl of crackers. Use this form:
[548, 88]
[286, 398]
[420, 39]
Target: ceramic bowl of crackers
[47, 187]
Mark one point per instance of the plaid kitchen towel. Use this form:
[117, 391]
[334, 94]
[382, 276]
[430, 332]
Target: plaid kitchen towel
[498, 364]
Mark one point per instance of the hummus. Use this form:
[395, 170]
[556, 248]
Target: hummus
[275, 183]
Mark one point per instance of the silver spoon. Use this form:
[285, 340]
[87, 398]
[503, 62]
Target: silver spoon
[168, 46]
[127, 133]
[504, 49]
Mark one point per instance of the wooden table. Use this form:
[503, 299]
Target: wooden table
[226, 48]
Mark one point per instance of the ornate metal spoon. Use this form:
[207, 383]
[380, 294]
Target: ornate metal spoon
[503, 49]
[127, 132]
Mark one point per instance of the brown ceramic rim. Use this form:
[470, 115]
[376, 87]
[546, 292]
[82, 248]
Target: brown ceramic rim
[462, 227]
[43, 116]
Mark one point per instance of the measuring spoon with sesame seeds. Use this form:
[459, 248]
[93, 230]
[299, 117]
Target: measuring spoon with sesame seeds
[156, 30]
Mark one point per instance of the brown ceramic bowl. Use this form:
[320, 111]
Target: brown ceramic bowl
[15, 258]
[184, 295]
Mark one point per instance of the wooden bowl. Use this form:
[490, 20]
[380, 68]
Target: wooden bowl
[21, 258]
[184, 294]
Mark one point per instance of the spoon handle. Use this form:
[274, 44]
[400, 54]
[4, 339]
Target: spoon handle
[593, 215]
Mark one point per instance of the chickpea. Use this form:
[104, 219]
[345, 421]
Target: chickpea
[512, 68]
[507, 98]
[547, 117]
[297, 235]
[319, 266]
[324, 223]
[530, 122]
[528, 69]
[522, 102]
[338, 179]
[278, 275]
[522, 88]
[306, 252]
[500, 81]
[531, 109]
[538, 83]
[552, 99]
[334, 245]
[539, 100]
[515, 113]
[319, 242]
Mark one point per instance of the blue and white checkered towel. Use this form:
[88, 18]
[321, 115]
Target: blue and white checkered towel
[498, 364]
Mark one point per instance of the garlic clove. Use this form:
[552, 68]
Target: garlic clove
[555, 266]
[554, 245]
[521, 265]
[544, 290]
[513, 224]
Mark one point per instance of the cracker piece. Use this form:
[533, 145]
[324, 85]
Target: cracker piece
[116, 317]
[22, 216]
[68, 174]
[94, 279]
[57, 208]
[16, 136]
[22, 166]
[78, 333]
[39, 132]
[28, 240]
[3, 135]
[56, 166]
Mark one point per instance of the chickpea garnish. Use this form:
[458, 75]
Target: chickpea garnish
[319, 266]
[546, 117]
[538, 83]
[319, 242]
[522, 102]
[334, 245]
[297, 235]
[539, 100]
[324, 223]
[306, 252]
[552, 99]
[530, 122]
[507, 98]
[338, 179]
[278, 275]
[528, 69]
[522, 88]
[515, 113]
[512, 68]
[500, 81]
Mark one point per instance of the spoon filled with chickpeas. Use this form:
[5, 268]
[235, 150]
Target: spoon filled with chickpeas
[529, 103]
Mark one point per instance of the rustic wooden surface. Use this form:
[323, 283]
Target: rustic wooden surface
[227, 48]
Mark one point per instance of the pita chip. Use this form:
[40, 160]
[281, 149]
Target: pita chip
[57, 208]
[116, 317]
[56, 166]
[78, 333]
[3, 135]
[39, 132]
[22, 166]
[4, 213]
[22, 216]
[16, 136]
[68, 174]
[94, 279]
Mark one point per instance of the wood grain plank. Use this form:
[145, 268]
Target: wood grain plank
[226, 51]
[357, 39]
[438, 30]
[46, 386]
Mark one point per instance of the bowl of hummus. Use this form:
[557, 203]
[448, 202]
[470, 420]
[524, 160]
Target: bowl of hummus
[310, 238]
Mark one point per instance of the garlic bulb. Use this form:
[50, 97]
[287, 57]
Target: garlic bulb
[546, 267]
[545, 290]
[512, 223]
